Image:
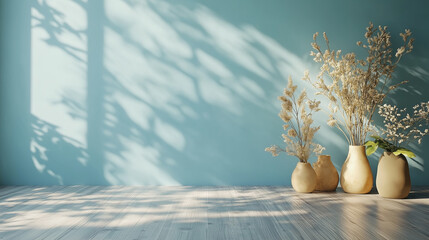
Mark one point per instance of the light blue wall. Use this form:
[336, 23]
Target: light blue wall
[175, 92]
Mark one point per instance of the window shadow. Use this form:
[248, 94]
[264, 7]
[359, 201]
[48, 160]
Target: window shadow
[155, 93]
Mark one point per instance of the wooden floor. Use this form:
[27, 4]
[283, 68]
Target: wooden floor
[90, 212]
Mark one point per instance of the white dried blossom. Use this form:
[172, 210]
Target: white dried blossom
[401, 130]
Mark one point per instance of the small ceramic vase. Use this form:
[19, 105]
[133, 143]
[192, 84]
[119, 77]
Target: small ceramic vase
[393, 176]
[304, 178]
[327, 175]
[356, 175]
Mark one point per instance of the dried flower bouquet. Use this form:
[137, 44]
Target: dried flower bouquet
[400, 129]
[358, 86]
[297, 114]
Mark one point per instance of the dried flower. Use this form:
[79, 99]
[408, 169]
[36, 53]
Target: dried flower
[400, 128]
[400, 51]
[332, 122]
[301, 98]
[297, 113]
[358, 86]
[292, 133]
[274, 150]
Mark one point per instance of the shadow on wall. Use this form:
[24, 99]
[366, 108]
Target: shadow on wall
[174, 95]
[158, 93]
[58, 156]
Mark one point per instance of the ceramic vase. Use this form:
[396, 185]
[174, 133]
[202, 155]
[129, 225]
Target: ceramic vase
[393, 176]
[356, 175]
[304, 178]
[327, 175]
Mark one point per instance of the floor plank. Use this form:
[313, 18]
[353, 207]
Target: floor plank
[131, 212]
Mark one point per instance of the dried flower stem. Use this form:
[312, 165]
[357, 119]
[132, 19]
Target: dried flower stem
[297, 113]
[358, 86]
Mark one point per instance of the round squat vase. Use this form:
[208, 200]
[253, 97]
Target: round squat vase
[393, 176]
[327, 175]
[356, 175]
[304, 178]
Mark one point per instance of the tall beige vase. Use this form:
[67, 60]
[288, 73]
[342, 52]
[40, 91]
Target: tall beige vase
[393, 176]
[327, 175]
[304, 178]
[356, 175]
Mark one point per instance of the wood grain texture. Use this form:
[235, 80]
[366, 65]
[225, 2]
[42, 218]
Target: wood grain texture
[119, 212]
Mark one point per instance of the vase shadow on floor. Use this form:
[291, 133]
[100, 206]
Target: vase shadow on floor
[373, 191]
[414, 194]
[418, 194]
